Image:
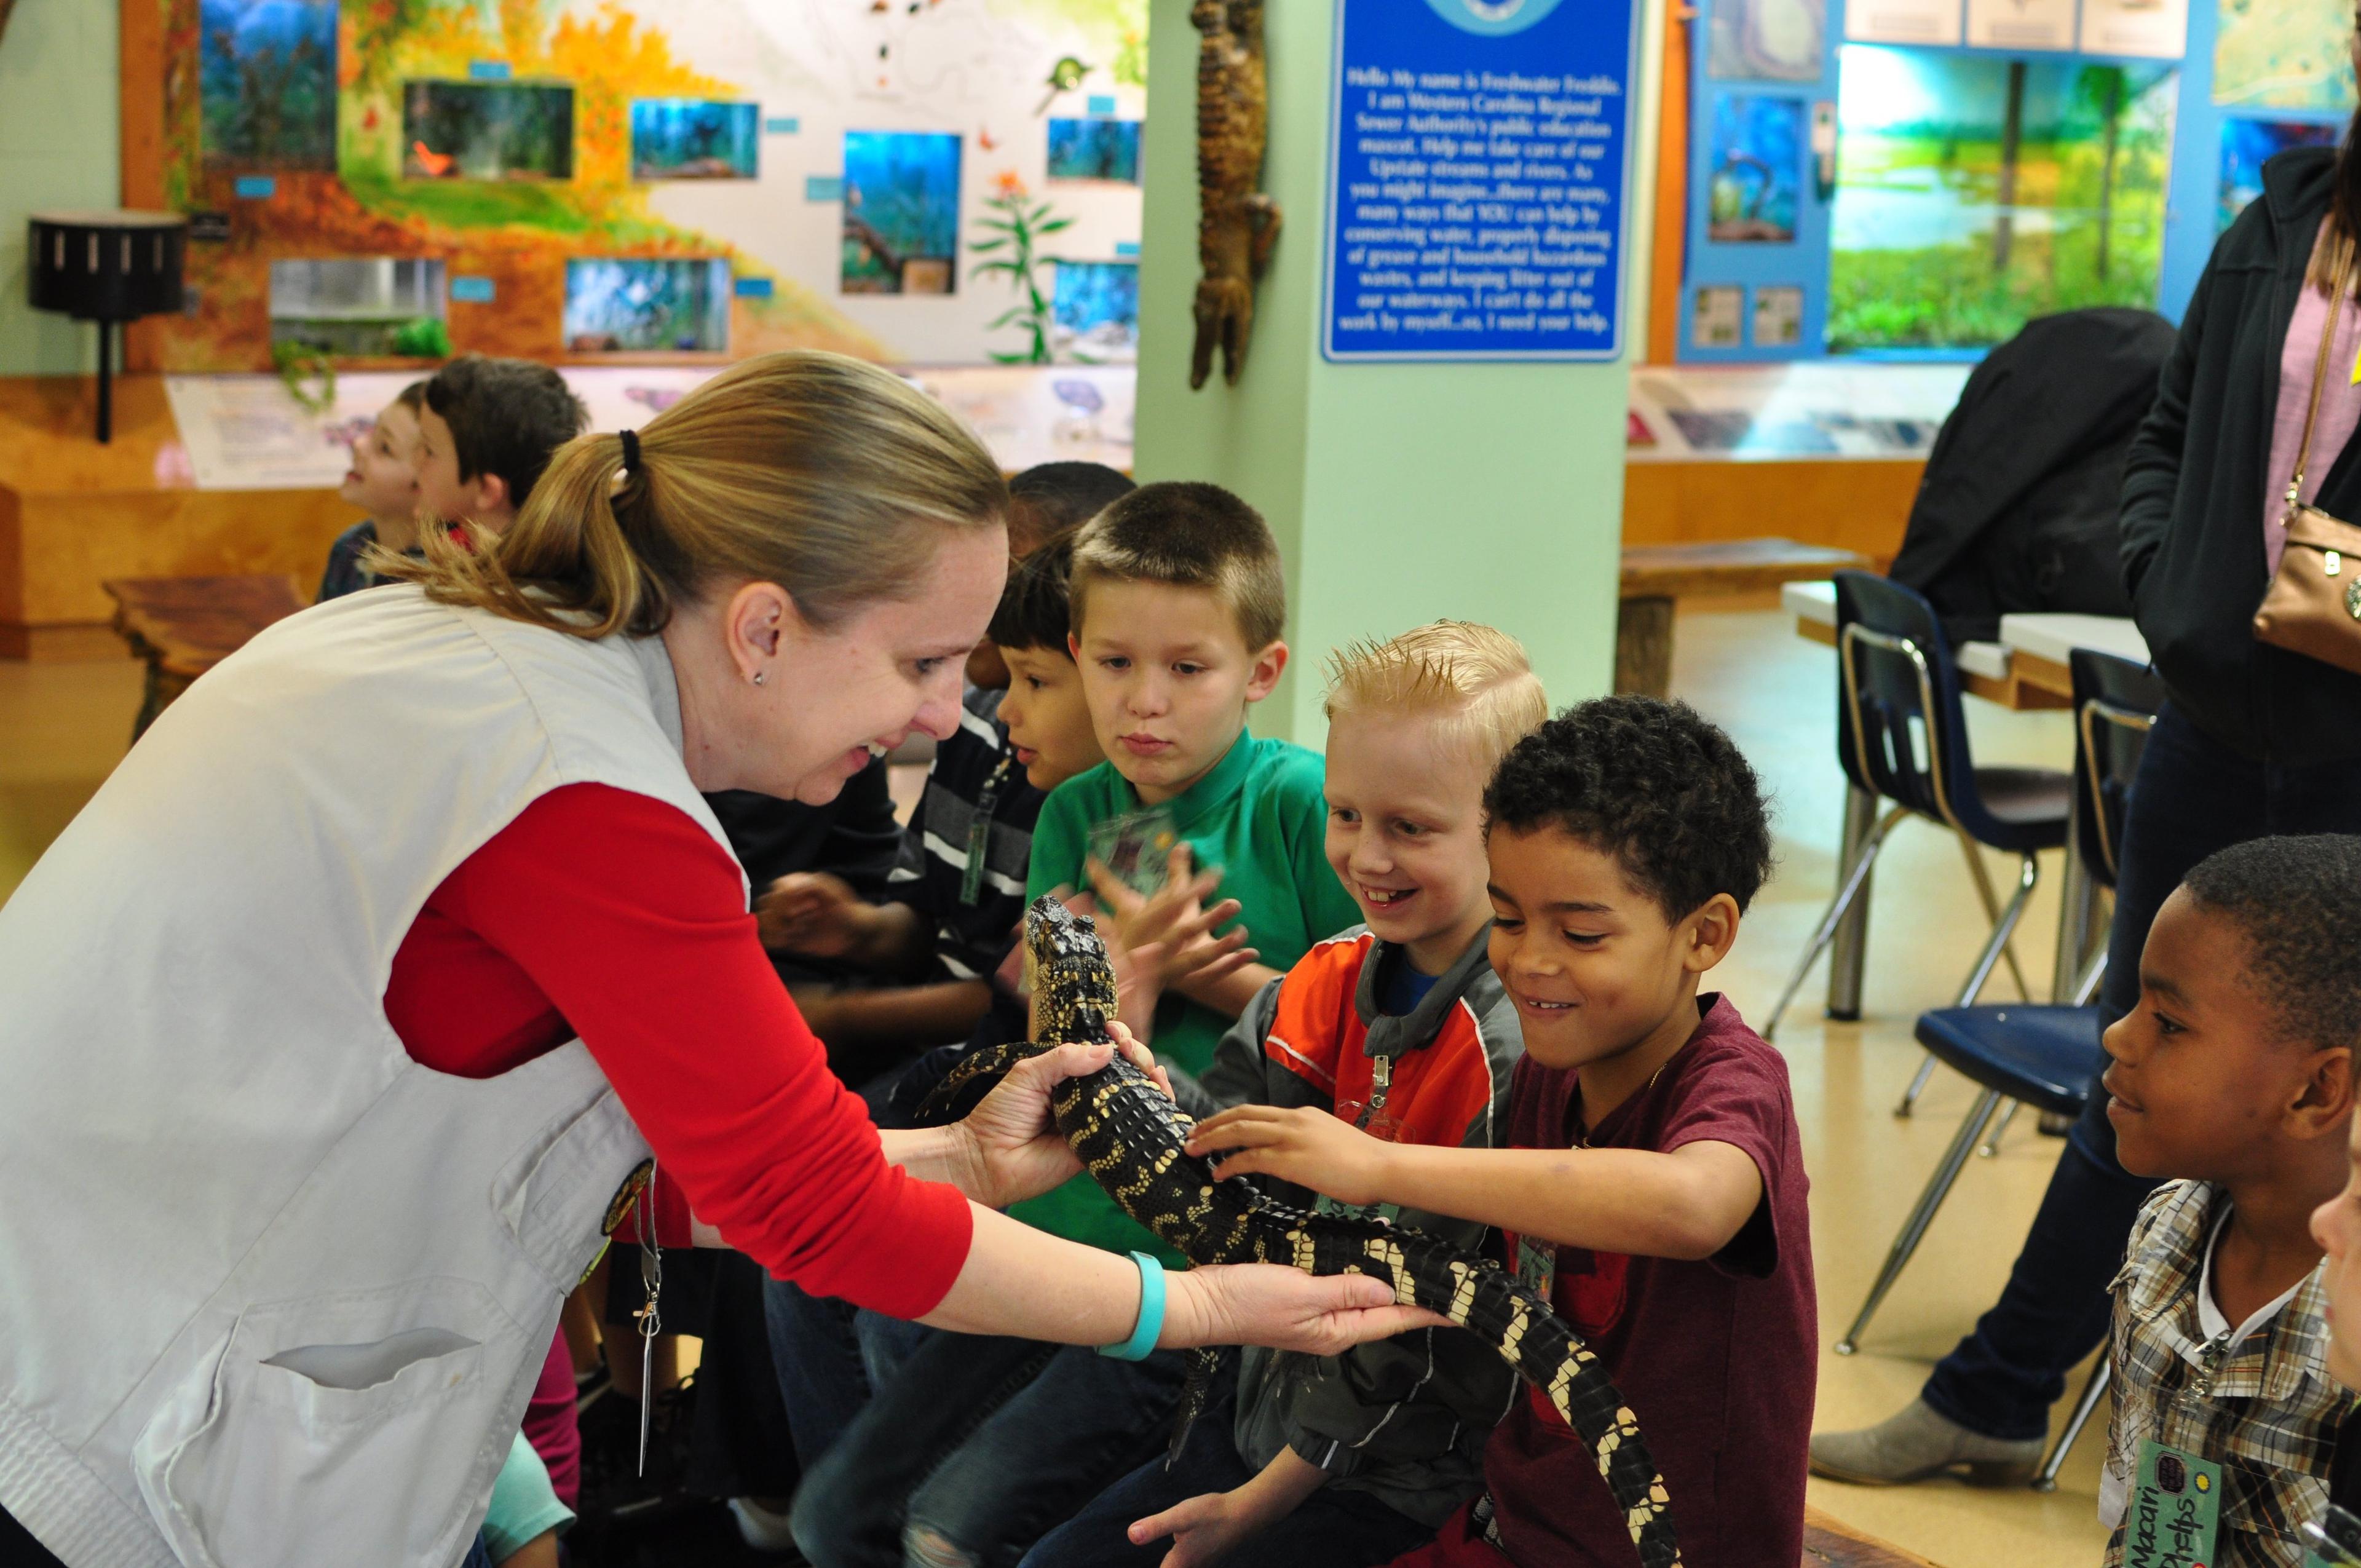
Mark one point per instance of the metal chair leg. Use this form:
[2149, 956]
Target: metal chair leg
[1990, 1147]
[1855, 874]
[2046, 1478]
[2086, 986]
[1995, 945]
[1992, 912]
[1914, 1227]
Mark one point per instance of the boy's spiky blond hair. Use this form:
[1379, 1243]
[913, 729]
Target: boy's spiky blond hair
[1478, 676]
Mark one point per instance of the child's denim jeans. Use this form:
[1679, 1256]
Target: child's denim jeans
[975, 1446]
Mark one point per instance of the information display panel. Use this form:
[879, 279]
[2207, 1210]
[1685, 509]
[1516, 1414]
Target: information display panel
[1478, 156]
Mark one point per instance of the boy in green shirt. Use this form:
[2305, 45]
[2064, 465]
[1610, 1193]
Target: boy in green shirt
[1179, 599]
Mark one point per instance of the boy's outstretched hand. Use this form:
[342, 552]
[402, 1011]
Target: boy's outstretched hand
[1167, 935]
[1309, 1148]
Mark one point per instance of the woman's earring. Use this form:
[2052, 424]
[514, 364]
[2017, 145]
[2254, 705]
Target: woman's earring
[758, 677]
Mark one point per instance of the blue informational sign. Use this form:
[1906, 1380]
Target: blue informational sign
[1478, 152]
[472, 289]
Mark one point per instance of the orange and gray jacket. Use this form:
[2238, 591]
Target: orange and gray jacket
[1403, 1419]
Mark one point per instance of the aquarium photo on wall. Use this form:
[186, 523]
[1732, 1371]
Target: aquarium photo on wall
[1758, 169]
[1950, 232]
[1096, 309]
[487, 130]
[2247, 144]
[901, 212]
[1095, 149]
[266, 82]
[664, 304]
[694, 139]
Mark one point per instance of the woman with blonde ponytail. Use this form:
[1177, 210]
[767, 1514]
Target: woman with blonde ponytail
[402, 959]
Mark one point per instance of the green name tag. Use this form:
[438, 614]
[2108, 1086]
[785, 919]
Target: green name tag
[1536, 1266]
[2176, 1509]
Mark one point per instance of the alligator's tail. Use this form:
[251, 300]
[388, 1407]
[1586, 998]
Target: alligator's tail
[1514, 1319]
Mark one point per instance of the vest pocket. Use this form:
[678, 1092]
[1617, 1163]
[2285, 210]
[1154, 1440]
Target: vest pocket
[354, 1424]
[553, 1196]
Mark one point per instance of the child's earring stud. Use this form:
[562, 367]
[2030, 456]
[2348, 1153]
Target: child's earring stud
[758, 677]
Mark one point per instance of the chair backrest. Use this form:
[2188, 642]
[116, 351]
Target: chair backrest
[2116, 703]
[1900, 730]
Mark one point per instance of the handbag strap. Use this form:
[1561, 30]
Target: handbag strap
[2312, 410]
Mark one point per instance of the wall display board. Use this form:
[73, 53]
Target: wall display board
[1971, 164]
[1782, 412]
[1478, 156]
[589, 178]
[245, 433]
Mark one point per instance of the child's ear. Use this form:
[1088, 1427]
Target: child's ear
[1710, 932]
[492, 495]
[2326, 1099]
[1269, 665]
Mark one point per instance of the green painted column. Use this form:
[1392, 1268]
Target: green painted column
[1399, 492]
[59, 140]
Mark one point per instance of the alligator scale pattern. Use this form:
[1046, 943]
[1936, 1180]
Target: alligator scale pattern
[1131, 1140]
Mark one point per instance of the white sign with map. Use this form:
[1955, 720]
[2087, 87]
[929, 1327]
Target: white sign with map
[2153, 29]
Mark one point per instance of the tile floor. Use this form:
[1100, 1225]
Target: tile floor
[62, 727]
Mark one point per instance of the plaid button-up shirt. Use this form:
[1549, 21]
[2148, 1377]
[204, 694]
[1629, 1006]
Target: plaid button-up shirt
[2266, 1409]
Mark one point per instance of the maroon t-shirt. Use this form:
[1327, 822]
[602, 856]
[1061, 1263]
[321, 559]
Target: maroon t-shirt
[1717, 1359]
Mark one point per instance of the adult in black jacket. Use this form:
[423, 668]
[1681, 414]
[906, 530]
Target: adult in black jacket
[2252, 741]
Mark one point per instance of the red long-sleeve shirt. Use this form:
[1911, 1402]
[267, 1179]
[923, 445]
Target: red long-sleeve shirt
[612, 915]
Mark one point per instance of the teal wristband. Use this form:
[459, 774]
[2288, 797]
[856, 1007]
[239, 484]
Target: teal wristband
[1151, 1313]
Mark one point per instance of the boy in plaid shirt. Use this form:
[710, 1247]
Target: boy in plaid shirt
[2235, 1075]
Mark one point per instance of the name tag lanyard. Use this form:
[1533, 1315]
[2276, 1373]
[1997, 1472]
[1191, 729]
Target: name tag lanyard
[979, 831]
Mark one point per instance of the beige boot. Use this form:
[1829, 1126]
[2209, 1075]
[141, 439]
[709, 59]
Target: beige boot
[1920, 1443]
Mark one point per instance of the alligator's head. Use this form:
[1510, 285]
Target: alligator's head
[1074, 985]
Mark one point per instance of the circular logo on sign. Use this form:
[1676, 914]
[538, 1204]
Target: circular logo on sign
[2353, 598]
[1492, 16]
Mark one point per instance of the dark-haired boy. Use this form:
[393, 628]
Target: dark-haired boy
[487, 430]
[1656, 1192]
[2235, 1074]
[1046, 503]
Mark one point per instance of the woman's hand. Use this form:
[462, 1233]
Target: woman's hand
[1270, 1304]
[1010, 1148]
[1311, 1148]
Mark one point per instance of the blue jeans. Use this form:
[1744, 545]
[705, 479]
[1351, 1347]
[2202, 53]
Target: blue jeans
[974, 1447]
[1328, 1529]
[2193, 795]
[830, 1356]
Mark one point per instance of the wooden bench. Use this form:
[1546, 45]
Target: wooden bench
[184, 626]
[1654, 575]
[1831, 1544]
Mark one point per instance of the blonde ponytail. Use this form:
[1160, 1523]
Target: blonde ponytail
[821, 473]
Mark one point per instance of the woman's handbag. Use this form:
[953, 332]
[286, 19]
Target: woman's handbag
[2313, 604]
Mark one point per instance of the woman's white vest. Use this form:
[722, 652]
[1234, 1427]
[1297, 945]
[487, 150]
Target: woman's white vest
[270, 1292]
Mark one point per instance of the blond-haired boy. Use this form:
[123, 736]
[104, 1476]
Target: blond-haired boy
[1400, 1027]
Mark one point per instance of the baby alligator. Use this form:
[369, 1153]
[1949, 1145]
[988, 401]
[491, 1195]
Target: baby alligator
[1131, 1139]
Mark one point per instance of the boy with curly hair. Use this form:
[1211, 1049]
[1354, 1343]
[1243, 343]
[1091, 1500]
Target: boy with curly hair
[1655, 1188]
